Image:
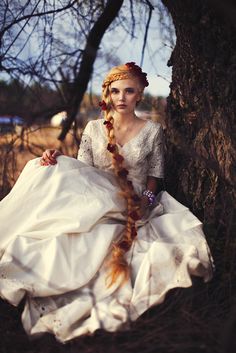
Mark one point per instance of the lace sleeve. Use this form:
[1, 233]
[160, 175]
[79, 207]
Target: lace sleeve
[85, 153]
[156, 158]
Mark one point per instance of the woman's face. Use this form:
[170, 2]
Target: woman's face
[124, 95]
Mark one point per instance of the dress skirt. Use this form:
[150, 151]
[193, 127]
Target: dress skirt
[57, 227]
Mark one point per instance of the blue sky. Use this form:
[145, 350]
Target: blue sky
[117, 47]
[127, 49]
[159, 74]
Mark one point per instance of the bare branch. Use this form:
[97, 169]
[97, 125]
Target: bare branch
[94, 38]
[40, 14]
[132, 18]
[151, 8]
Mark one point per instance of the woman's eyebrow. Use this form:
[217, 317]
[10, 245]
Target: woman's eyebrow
[124, 88]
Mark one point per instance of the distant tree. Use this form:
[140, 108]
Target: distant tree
[17, 98]
[11, 97]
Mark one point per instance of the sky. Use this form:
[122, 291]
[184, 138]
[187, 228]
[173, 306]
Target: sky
[158, 73]
[119, 47]
[157, 54]
[159, 76]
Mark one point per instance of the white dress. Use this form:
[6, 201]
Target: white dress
[57, 226]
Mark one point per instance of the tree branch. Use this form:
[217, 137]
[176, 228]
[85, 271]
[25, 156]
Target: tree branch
[151, 8]
[29, 16]
[89, 55]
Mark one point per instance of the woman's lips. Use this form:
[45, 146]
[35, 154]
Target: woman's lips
[121, 106]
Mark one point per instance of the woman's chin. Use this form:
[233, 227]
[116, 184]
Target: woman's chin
[124, 110]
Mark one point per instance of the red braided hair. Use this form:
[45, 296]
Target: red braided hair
[118, 263]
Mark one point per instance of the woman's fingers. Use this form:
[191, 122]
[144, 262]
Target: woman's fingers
[43, 162]
[56, 153]
[49, 157]
[45, 155]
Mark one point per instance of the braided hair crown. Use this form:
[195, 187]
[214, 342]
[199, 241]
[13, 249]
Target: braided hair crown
[126, 71]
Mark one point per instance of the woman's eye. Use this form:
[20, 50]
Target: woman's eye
[130, 90]
[114, 91]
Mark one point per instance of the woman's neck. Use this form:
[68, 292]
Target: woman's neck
[123, 119]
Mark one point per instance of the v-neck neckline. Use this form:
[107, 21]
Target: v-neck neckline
[134, 137]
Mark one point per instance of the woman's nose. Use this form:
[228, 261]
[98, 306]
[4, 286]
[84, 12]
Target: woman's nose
[122, 96]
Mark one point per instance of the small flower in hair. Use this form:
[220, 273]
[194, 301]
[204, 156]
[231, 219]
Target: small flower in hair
[108, 124]
[124, 245]
[133, 232]
[119, 158]
[134, 215]
[111, 148]
[138, 71]
[123, 173]
[130, 64]
[103, 105]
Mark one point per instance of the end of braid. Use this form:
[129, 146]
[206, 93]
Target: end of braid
[118, 267]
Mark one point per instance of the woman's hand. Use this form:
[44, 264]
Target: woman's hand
[144, 206]
[49, 157]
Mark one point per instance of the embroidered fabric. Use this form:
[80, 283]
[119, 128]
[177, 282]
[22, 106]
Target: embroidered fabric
[85, 152]
[143, 153]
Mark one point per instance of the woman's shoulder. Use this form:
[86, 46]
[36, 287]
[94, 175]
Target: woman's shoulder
[155, 128]
[93, 125]
[154, 124]
[153, 133]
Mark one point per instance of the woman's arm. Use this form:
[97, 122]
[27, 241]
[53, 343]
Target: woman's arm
[155, 171]
[153, 184]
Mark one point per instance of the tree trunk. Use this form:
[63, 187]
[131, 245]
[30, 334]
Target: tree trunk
[89, 55]
[201, 110]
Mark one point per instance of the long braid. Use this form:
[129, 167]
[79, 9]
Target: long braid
[118, 263]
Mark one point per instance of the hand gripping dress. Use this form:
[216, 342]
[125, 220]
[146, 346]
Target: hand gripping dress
[57, 227]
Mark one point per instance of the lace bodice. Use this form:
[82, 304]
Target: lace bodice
[143, 153]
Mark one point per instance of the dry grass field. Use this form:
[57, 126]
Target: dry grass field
[200, 319]
[17, 149]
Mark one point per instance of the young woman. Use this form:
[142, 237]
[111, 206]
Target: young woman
[87, 242]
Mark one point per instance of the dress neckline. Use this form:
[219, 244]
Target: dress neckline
[134, 137]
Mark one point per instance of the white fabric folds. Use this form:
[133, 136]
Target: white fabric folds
[57, 227]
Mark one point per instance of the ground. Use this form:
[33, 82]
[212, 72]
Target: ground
[189, 321]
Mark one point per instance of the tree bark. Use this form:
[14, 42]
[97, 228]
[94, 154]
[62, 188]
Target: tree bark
[201, 110]
[89, 55]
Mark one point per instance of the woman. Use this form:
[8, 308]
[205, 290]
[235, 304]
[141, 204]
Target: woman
[91, 246]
